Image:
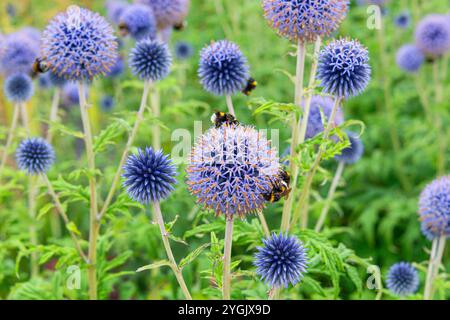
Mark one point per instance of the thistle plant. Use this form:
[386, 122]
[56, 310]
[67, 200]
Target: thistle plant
[138, 21]
[168, 13]
[402, 279]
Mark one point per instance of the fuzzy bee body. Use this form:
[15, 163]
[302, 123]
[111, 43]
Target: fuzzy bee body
[219, 118]
[123, 29]
[280, 187]
[39, 66]
[251, 85]
[180, 26]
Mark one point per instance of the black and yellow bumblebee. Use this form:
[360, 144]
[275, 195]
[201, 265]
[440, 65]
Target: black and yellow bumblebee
[123, 29]
[39, 66]
[180, 26]
[219, 118]
[251, 85]
[280, 187]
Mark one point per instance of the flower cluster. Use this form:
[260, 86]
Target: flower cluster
[18, 53]
[410, 58]
[320, 111]
[150, 60]
[35, 156]
[138, 21]
[403, 279]
[353, 152]
[433, 35]
[18, 87]
[168, 12]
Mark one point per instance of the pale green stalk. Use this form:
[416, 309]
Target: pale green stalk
[230, 106]
[10, 136]
[226, 280]
[437, 251]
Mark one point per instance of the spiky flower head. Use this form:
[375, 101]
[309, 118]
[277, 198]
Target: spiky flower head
[319, 113]
[138, 21]
[18, 88]
[343, 68]
[168, 12]
[149, 176]
[434, 208]
[35, 156]
[223, 69]
[403, 20]
[402, 279]
[433, 35]
[17, 54]
[230, 169]
[79, 44]
[353, 152]
[56, 80]
[281, 261]
[150, 60]
[305, 20]
[409, 58]
[114, 9]
[183, 50]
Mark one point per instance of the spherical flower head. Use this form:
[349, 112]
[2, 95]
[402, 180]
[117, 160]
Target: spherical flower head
[35, 156]
[150, 60]
[223, 68]
[117, 69]
[56, 80]
[230, 169]
[402, 279]
[114, 9]
[403, 20]
[305, 20]
[138, 21]
[31, 33]
[18, 54]
[353, 152]
[433, 35]
[434, 208]
[343, 68]
[149, 176]
[18, 88]
[107, 103]
[282, 260]
[409, 58]
[183, 50]
[79, 44]
[319, 113]
[168, 12]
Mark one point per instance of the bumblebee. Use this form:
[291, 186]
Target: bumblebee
[180, 26]
[39, 66]
[219, 118]
[280, 187]
[123, 29]
[251, 85]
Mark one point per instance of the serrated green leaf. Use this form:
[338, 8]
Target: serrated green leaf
[193, 255]
[155, 265]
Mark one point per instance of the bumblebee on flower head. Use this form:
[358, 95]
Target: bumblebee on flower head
[219, 118]
[39, 66]
[280, 187]
[251, 85]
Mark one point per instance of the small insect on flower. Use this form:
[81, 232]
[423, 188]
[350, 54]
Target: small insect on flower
[433, 35]
[149, 176]
[138, 21]
[280, 187]
[343, 68]
[319, 113]
[402, 279]
[223, 69]
[251, 85]
[352, 153]
[434, 208]
[35, 156]
[150, 60]
[39, 66]
[168, 13]
[219, 118]
[281, 261]
[18, 88]
[409, 58]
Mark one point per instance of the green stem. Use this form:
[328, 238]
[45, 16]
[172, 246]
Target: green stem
[226, 280]
[230, 106]
[10, 137]
[53, 113]
[437, 251]
[32, 194]
[264, 225]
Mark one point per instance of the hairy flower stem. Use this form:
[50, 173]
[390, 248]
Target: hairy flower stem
[312, 171]
[165, 239]
[226, 280]
[230, 105]
[328, 201]
[293, 168]
[156, 109]
[131, 137]
[10, 137]
[437, 251]
[53, 113]
[93, 222]
[263, 221]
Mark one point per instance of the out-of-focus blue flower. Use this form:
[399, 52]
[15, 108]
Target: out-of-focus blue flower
[114, 9]
[168, 12]
[44, 81]
[305, 20]
[107, 103]
[353, 152]
[343, 68]
[18, 55]
[433, 35]
[70, 94]
[321, 105]
[281, 261]
[56, 80]
[409, 58]
[79, 44]
[150, 60]
[33, 34]
[230, 169]
[11, 10]
[223, 68]
[18, 88]
[149, 176]
[35, 156]
[117, 69]
[403, 279]
[138, 21]
[434, 208]
[403, 20]
[183, 50]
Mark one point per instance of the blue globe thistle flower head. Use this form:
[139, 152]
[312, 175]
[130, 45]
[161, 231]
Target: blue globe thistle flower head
[343, 68]
[409, 58]
[230, 169]
[168, 12]
[434, 208]
[79, 45]
[402, 279]
[18, 54]
[107, 103]
[18, 87]
[31, 33]
[183, 50]
[114, 9]
[305, 20]
[320, 111]
[35, 156]
[353, 152]
[44, 81]
[150, 60]
[281, 261]
[138, 21]
[223, 69]
[149, 176]
[56, 80]
[433, 35]
[403, 20]
[117, 69]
